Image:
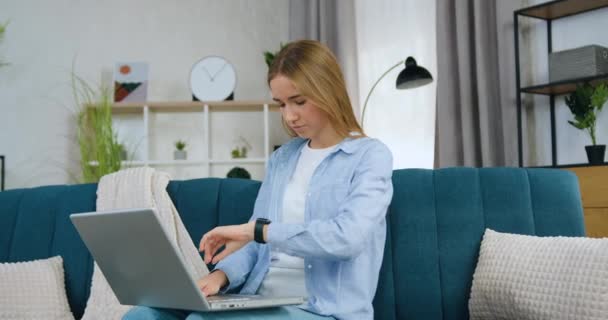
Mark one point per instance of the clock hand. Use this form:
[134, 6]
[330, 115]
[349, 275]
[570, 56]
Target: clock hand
[209, 74]
[222, 68]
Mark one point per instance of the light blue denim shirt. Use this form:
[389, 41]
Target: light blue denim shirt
[344, 230]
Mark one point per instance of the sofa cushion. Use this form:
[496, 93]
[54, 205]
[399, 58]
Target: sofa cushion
[33, 290]
[436, 221]
[529, 277]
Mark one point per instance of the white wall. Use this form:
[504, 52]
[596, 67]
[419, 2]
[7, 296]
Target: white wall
[389, 31]
[568, 33]
[45, 37]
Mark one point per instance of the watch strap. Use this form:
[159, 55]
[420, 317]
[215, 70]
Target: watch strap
[258, 231]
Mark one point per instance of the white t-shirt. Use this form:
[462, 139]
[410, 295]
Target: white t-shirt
[286, 274]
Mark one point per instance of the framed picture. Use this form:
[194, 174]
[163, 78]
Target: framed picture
[1, 173]
[130, 82]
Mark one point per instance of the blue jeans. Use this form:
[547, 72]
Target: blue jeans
[146, 313]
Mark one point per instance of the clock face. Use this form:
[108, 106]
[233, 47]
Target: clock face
[212, 79]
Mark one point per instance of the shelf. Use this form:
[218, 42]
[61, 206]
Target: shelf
[125, 163]
[144, 111]
[550, 11]
[237, 161]
[561, 8]
[563, 87]
[131, 163]
[188, 162]
[176, 162]
[191, 106]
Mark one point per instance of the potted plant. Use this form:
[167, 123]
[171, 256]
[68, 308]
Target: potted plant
[239, 173]
[95, 134]
[585, 103]
[240, 151]
[180, 153]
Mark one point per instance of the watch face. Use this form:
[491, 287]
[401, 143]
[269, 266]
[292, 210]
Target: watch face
[212, 79]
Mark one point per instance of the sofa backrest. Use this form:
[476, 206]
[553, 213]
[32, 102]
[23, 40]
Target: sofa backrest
[35, 224]
[437, 219]
[435, 224]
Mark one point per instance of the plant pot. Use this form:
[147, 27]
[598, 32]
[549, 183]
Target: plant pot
[595, 154]
[180, 155]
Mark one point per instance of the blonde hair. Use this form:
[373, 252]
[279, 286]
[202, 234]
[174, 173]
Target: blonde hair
[314, 70]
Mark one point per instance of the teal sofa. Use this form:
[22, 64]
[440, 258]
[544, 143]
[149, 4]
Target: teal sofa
[435, 225]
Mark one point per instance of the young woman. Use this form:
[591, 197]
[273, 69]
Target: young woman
[318, 228]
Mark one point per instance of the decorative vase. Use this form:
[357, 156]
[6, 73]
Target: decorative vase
[595, 154]
[180, 154]
[123, 155]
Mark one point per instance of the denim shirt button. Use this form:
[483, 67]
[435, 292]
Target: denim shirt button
[310, 266]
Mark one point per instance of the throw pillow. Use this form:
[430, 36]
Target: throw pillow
[34, 290]
[529, 277]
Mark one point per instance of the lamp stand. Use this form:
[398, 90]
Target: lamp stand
[374, 87]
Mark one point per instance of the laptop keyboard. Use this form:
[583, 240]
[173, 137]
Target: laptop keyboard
[227, 298]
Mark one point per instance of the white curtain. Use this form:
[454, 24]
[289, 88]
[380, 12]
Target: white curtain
[388, 31]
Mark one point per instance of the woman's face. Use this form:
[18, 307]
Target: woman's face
[299, 112]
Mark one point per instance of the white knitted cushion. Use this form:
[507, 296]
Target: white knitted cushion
[527, 277]
[33, 290]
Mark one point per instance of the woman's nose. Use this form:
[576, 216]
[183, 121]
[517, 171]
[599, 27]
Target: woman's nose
[289, 115]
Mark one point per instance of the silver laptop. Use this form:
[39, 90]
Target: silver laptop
[144, 268]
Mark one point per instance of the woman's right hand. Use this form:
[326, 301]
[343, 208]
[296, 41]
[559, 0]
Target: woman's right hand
[212, 282]
[231, 238]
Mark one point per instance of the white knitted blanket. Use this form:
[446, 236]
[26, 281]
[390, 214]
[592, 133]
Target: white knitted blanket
[138, 188]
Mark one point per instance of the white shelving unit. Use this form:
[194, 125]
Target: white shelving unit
[145, 110]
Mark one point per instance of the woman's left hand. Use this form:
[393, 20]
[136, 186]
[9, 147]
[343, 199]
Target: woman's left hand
[232, 237]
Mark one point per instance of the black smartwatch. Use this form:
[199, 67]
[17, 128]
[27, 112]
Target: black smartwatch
[258, 230]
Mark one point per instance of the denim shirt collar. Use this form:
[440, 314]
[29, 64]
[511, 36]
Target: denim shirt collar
[347, 145]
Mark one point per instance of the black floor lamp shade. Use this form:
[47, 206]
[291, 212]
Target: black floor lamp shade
[413, 75]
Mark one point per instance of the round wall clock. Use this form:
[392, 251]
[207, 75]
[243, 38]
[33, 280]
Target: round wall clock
[213, 78]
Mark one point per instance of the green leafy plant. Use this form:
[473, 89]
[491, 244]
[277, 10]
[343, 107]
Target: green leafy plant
[236, 153]
[238, 172]
[2, 32]
[585, 103]
[100, 152]
[239, 153]
[180, 145]
[269, 56]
